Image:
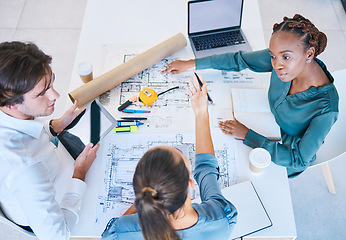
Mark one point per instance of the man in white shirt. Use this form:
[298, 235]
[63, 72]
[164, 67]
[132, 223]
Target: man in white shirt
[31, 190]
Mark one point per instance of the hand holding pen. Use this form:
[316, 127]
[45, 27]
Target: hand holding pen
[198, 95]
[199, 103]
[201, 84]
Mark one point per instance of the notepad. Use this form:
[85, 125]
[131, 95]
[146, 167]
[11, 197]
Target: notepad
[252, 216]
[251, 108]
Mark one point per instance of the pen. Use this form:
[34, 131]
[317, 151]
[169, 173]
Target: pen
[127, 120]
[127, 103]
[135, 111]
[201, 84]
[126, 129]
[125, 124]
[134, 118]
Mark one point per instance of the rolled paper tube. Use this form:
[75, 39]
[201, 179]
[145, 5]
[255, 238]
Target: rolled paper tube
[117, 75]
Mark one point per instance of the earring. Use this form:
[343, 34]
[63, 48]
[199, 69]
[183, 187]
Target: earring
[308, 60]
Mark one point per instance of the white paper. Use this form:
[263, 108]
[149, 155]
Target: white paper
[251, 108]
[122, 153]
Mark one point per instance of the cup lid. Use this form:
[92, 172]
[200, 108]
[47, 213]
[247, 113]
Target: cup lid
[84, 68]
[260, 157]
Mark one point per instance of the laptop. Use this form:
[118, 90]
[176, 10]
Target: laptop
[214, 27]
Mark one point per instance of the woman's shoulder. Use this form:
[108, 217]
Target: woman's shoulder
[327, 91]
[205, 157]
[216, 209]
[213, 216]
[121, 225]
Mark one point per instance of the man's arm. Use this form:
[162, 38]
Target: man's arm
[34, 189]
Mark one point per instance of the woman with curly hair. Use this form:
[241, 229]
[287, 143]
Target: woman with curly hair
[301, 94]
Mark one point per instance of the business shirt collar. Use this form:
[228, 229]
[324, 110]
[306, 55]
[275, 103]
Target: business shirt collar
[32, 128]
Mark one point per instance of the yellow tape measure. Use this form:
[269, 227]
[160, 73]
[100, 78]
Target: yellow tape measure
[147, 96]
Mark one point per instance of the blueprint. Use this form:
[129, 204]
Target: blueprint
[170, 122]
[121, 155]
[165, 109]
[172, 110]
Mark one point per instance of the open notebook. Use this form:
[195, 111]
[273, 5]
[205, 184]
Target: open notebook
[251, 108]
[252, 216]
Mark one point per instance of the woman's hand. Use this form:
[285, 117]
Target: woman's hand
[234, 128]
[199, 103]
[179, 66]
[61, 123]
[198, 95]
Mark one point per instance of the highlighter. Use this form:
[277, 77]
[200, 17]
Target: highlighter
[126, 129]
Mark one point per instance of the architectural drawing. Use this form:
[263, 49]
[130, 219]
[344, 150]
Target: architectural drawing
[121, 156]
[167, 107]
[170, 122]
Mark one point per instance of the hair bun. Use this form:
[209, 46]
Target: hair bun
[150, 190]
[322, 43]
[299, 17]
[275, 26]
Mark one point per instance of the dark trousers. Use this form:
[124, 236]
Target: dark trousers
[27, 228]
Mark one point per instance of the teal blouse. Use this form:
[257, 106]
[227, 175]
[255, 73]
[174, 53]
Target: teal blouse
[305, 118]
[216, 215]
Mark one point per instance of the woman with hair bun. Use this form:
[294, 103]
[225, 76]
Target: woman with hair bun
[301, 94]
[163, 208]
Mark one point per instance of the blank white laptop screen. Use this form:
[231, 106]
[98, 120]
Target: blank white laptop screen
[212, 15]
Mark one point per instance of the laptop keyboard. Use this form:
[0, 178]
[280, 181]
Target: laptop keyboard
[218, 40]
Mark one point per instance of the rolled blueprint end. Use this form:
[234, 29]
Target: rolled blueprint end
[117, 75]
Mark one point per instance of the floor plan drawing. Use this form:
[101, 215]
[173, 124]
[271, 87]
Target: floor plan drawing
[152, 78]
[172, 110]
[167, 106]
[121, 155]
[170, 122]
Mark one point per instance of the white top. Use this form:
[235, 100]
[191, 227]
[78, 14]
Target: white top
[32, 192]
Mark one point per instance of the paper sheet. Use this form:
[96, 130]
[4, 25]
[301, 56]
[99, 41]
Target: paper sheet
[122, 153]
[172, 110]
[251, 108]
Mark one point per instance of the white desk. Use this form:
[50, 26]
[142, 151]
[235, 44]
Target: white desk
[138, 25]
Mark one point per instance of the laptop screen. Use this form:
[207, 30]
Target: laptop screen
[214, 14]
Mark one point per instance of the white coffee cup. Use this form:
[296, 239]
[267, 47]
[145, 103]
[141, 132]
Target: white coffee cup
[259, 159]
[85, 71]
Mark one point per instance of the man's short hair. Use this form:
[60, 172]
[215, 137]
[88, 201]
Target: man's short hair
[22, 66]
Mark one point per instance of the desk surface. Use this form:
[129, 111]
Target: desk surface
[138, 28]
